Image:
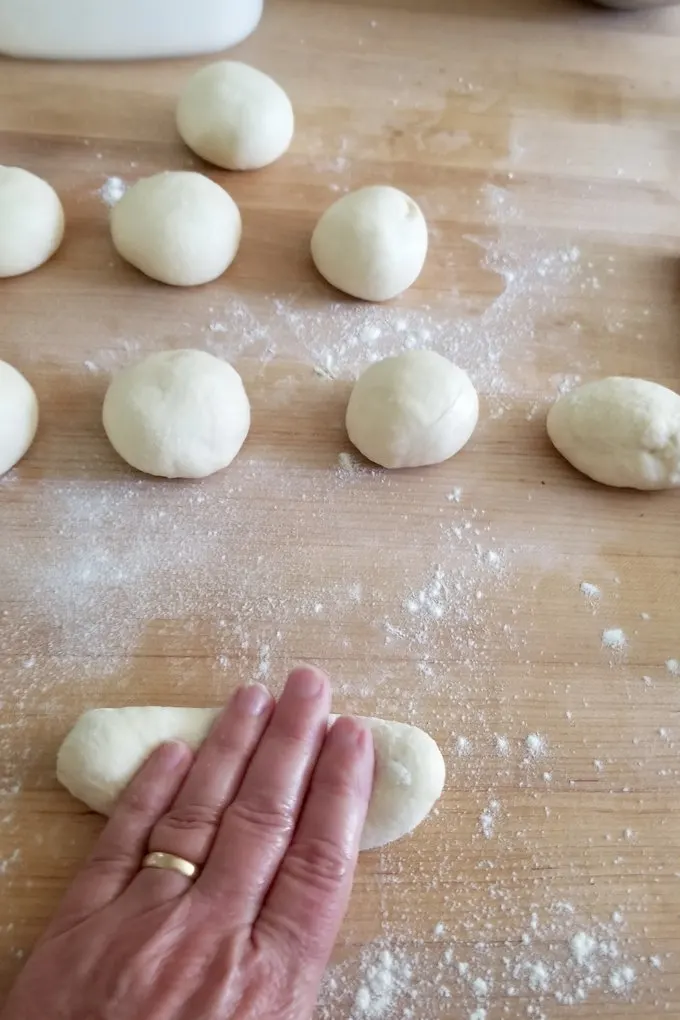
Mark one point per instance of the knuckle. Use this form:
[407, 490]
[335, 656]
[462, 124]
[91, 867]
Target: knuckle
[108, 861]
[133, 802]
[319, 863]
[263, 813]
[224, 749]
[190, 818]
[224, 741]
[340, 784]
[293, 736]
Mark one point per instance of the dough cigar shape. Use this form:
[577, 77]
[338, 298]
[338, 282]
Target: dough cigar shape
[107, 745]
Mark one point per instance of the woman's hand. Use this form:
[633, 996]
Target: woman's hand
[271, 809]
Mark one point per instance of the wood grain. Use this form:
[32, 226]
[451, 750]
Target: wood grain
[543, 142]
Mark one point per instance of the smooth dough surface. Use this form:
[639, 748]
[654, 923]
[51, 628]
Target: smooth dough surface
[177, 414]
[371, 243]
[620, 431]
[177, 227]
[235, 116]
[18, 416]
[31, 221]
[107, 745]
[412, 410]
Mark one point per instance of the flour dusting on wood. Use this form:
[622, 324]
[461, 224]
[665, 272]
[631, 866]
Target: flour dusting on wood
[446, 621]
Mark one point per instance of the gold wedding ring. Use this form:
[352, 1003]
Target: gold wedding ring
[169, 862]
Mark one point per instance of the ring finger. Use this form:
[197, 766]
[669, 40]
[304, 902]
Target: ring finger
[188, 828]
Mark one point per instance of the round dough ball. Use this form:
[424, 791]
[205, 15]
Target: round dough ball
[620, 431]
[412, 410]
[177, 227]
[177, 414]
[235, 116]
[31, 221]
[18, 416]
[371, 243]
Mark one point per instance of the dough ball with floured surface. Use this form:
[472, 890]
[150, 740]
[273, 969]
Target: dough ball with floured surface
[177, 414]
[177, 227]
[235, 116]
[31, 221]
[371, 243]
[620, 431]
[18, 416]
[107, 745]
[412, 410]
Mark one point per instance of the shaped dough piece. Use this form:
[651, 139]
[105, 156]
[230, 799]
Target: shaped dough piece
[178, 227]
[412, 410]
[18, 416]
[177, 414]
[31, 221]
[235, 116]
[107, 745]
[620, 431]
[371, 243]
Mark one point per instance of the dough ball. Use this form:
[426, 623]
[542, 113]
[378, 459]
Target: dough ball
[178, 414]
[31, 221]
[18, 416]
[235, 116]
[107, 745]
[371, 243]
[620, 431]
[412, 410]
[177, 227]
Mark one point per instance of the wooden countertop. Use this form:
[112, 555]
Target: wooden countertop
[543, 142]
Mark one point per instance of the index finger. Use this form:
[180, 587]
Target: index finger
[308, 899]
[117, 854]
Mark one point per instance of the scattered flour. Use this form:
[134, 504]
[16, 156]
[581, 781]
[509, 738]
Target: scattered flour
[488, 818]
[502, 744]
[673, 666]
[536, 745]
[622, 979]
[614, 638]
[112, 190]
[480, 988]
[544, 961]
[432, 600]
[384, 980]
[582, 947]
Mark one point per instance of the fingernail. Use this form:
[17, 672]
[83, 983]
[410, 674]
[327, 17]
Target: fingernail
[348, 732]
[306, 682]
[253, 700]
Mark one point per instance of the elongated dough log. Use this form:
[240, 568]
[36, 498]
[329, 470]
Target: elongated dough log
[107, 745]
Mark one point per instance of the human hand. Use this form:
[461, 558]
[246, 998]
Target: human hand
[272, 809]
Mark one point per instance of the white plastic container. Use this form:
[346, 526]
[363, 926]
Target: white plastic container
[123, 29]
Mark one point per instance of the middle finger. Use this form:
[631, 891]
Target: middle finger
[258, 824]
